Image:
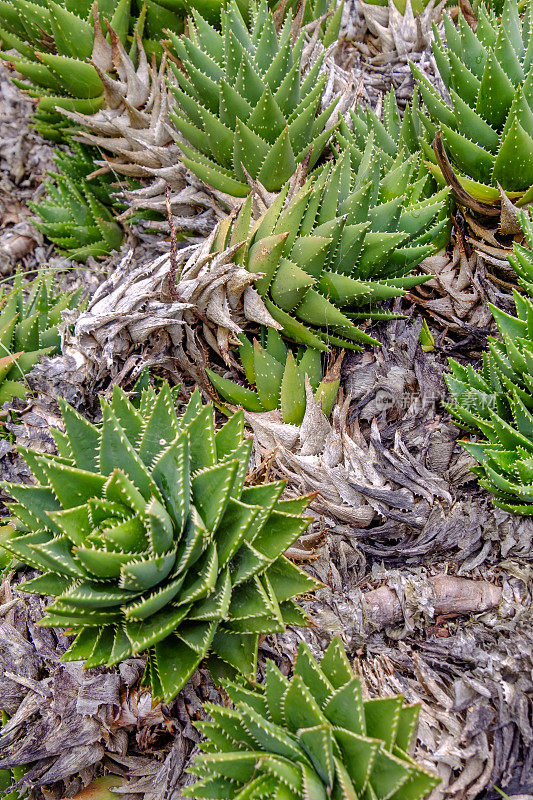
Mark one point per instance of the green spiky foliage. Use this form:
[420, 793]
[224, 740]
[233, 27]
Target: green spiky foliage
[278, 375]
[348, 239]
[393, 133]
[29, 319]
[314, 9]
[75, 213]
[311, 736]
[487, 132]
[149, 540]
[417, 6]
[398, 137]
[496, 402]
[55, 42]
[242, 105]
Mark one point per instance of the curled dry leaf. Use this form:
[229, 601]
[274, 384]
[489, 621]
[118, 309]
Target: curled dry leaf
[457, 297]
[135, 308]
[356, 482]
[401, 34]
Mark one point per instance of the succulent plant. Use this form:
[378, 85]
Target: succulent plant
[55, 42]
[496, 402]
[393, 133]
[311, 736]
[241, 103]
[279, 378]
[313, 10]
[75, 214]
[487, 131]
[347, 239]
[28, 329]
[150, 541]
[65, 58]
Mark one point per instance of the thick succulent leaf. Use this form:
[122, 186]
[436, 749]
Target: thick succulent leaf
[157, 552]
[279, 730]
[246, 82]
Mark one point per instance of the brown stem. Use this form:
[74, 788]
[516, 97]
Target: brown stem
[451, 595]
[462, 196]
[173, 271]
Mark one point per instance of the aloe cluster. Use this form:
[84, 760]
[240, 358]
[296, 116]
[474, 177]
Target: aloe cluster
[62, 51]
[347, 240]
[393, 133]
[487, 131]
[75, 213]
[279, 378]
[29, 319]
[417, 6]
[496, 402]
[149, 539]
[242, 104]
[55, 42]
[311, 736]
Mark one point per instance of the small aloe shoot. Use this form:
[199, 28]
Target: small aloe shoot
[29, 318]
[278, 375]
[496, 402]
[149, 540]
[311, 736]
[75, 213]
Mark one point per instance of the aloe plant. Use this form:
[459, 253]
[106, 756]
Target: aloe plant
[241, 103]
[487, 131]
[279, 378]
[149, 540]
[63, 55]
[313, 10]
[54, 42]
[311, 736]
[75, 214]
[346, 241]
[417, 6]
[29, 319]
[392, 132]
[496, 402]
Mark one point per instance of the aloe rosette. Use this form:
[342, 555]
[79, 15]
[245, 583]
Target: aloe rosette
[29, 318]
[75, 212]
[392, 132]
[496, 402]
[278, 375]
[346, 241]
[149, 540]
[487, 130]
[242, 105]
[62, 52]
[310, 736]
